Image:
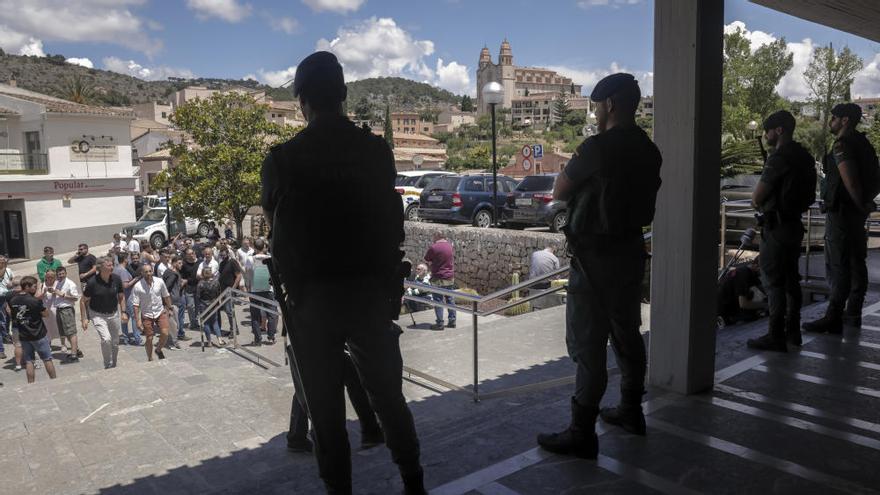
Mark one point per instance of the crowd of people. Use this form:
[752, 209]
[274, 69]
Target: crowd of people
[134, 295]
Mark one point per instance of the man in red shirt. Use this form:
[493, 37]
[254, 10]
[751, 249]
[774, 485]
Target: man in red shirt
[441, 261]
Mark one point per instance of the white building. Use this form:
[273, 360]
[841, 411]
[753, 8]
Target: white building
[65, 173]
[155, 111]
[451, 119]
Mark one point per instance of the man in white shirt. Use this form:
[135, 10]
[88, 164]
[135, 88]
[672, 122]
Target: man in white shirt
[118, 243]
[209, 262]
[164, 263]
[65, 292]
[152, 305]
[6, 285]
[244, 253]
[133, 245]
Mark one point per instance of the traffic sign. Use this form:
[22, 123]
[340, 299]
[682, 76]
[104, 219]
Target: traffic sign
[527, 151]
[527, 164]
[538, 150]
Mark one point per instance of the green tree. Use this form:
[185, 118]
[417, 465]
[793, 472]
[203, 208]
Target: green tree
[363, 110]
[467, 104]
[219, 174]
[479, 157]
[750, 79]
[561, 108]
[78, 90]
[389, 130]
[829, 76]
[873, 131]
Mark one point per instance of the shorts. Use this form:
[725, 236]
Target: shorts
[30, 348]
[66, 319]
[150, 324]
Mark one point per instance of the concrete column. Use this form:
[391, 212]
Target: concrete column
[688, 37]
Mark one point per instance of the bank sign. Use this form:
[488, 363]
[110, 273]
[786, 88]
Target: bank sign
[94, 149]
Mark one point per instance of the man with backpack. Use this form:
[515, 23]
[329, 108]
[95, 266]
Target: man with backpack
[611, 186]
[258, 274]
[852, 179]
[786, 190]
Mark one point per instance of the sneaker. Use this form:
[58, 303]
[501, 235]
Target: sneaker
[437, 326]
[79, 353]
[2, 355]
[64, 349]
[160, 354]
[299, 446]
[17, 367]
[183, 338]
[767, 343]
[255, 343]
[71, 359]
[270, 340]
[451, 324]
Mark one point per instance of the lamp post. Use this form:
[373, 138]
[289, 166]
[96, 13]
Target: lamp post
[752, 127]
[493, 94]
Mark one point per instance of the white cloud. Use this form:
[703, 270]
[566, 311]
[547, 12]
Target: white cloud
[274, 78]
[227, 10]
[288, 25]
[339, 6]
[104, 21]
[454, 77]
[132, 68]
[867, 82]
[589, 77]
[85, 62]
[587, 4]
[33, 47]
[756, 39]
[379, 47]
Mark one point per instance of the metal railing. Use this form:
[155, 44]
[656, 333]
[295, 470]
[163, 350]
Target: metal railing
[812, 218]
[246, 299]
[474, 310]
[24, 163]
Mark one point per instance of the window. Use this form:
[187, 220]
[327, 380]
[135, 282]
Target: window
[474, 185]
[164, 115]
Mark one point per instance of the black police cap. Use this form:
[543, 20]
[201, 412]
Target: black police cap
[851, 110]
[321, 72]
[781, 118]
[612, 84]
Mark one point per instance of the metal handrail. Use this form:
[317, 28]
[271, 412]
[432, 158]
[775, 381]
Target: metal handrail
[245, 298]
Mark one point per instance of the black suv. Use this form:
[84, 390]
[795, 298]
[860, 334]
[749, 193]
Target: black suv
[531, 204]
[463, 198]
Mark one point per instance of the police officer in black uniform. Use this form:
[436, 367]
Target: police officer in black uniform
[848, 173]
[611, 185]
[786, 189]
[327, 251]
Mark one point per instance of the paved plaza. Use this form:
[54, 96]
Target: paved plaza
[214, 422]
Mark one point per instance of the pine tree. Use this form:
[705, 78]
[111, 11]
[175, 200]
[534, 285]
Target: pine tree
[467, 104]
[389, 131]
[561, 108]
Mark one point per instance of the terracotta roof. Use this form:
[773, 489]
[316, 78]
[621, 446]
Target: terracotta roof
[420, 151]
[8, 111]
[415, 137]
[163, 154]
[57, 105]
[284, 105]
[139, 127]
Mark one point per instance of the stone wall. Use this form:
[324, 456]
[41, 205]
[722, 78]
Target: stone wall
[485, 259]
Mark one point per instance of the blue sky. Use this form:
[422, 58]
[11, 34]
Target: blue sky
[436, 41]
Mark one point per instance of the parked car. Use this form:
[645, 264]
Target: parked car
[152, 227]
[463, 198]
[410, 185]
[531, 204]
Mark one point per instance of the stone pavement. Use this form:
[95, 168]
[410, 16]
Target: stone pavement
[211, 422]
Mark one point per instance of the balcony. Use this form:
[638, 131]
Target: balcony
[24, 164]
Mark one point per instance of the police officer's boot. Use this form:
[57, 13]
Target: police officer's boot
[773, 340]
[414, 482]
[579, 439]
[628, 414]
[853, 315]
[793, 330]
[831, 323]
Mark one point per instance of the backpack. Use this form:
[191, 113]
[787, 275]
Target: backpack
[799, 187]
[260, 281]
[869, 166]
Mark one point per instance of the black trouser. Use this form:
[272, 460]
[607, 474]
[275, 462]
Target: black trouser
[846, 249]
[319, 336]
[780, 251]
[604, 301]
[299, 420]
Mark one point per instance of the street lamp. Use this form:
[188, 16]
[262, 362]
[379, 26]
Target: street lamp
[752, 126]
[493, 94]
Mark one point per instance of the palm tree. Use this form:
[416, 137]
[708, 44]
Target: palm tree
[78, 90]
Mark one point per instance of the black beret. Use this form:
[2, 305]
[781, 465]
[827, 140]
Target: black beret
[321, 71]
[851, 110]
[781, 118]
[612, 84]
